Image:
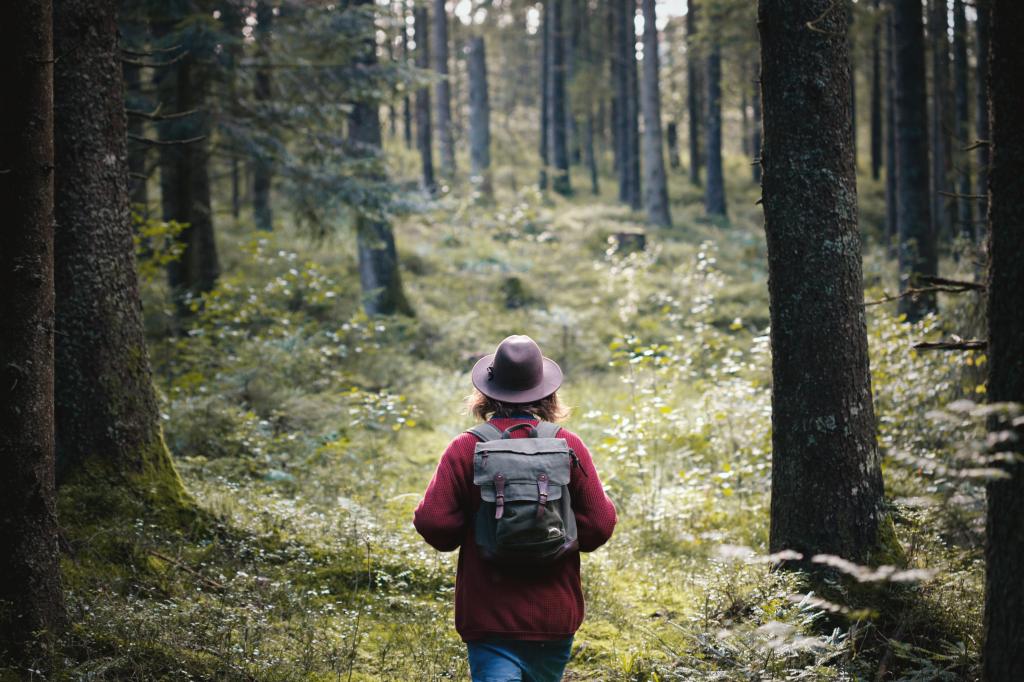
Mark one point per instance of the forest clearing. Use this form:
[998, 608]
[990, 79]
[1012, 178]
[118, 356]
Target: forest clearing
[244, 307]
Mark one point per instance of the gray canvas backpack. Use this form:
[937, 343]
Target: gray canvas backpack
[525, 516]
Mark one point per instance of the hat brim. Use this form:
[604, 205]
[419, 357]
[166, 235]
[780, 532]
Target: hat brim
[549, 383]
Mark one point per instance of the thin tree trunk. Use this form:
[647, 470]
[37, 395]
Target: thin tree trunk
[826, 471]
[876, 94]
[406, 103]
[262, 167]
[965, 214]
[632, 108]
[891, 213]
[917, 252]
[545, 96]
[1003, 653]
[654, 159]
[744, 116]
[424, 136]
[756, 142]
[31, 598]
[556, 98]
[672, 140]
[137, 151]
[379, 274]
[439, 55]
[714, 192]
[108, 419]
[694, 89]
[231, 23]
[620, 124]
[938, 27]
[588, 154]
[479, 117]
[983, 8]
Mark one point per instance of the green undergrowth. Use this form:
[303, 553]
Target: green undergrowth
[305, 433]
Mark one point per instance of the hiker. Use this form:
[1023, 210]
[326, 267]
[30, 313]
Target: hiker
[534, 505]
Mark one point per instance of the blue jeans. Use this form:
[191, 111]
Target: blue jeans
[512, 660]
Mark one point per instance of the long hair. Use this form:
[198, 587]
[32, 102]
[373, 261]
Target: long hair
[549, 409]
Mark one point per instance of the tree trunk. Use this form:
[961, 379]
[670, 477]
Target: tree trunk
[31, 599]
[654, 159]
[232, 23]
[876, 94]
[407, 105]
[588, 154]
[756, 141]
[714, 192]
[693, 90]
[545, 96]
[744, 116]
[424, 136]
[983, 8]
[108, 419]
[938, 28]
[826, 472]
[439, 39]
[379, 275]
[479, 117]
[262, 167]
[917, 254]
[672, 140]
[1003, 654]
[891, 215]
[137, 151]
[620, 123]
[965, 217]
[556, 97]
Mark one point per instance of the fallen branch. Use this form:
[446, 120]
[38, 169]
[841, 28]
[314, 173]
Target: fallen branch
[938, 288]
[970, 344]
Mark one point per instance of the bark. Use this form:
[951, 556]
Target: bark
[826, 473]
[262, 167]
[479, 117]
[137, 151]
[744, 117]
[694, 88]
[983, 7]
[31, 599]
[656, 198]
[938, 27]
[232, 23]
[545, 103]
[617, 24]
[891, 221]
[965, 215]
[588, 154]
[442, 95]
[1003, 653]
[557, 131]
[756, 141]
[876, 95]
[672, 140]
[107, 416]
[379, 274]
[407, 104]
[917, 253]
[714, 191]
[424, 134]
[632, 146]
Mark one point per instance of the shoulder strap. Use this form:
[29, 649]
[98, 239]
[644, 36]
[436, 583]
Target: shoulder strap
[485, 432]
[547, 429]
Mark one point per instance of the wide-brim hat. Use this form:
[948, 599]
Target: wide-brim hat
[517, 372]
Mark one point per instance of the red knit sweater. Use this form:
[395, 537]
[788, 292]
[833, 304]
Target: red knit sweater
[495, 602]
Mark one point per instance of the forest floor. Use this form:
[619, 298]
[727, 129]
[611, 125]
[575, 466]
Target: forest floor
[306, 433]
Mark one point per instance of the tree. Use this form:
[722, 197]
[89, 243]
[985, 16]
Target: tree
[891, 220]
[632, 107]
[424, 136]
[379, 276]
[1003, 654]
[626, 105]
[826, 472]
[876, 93]
[965, 218]
[982, 28]
[557, 122]
[407, 105]
[756, 141]
[107, 416]
[693, 93]
[714, 190]
[31, 600]
[543, 146]
[917, 253]
[938, 29]
[479, 117]
[654, 160]
[262, 171]
[439, 39]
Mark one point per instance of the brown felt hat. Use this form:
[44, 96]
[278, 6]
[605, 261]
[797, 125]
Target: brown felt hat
[517, 372]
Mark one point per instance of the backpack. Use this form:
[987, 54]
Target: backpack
[525, 516]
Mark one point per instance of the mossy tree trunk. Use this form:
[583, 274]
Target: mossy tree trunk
[108, 422]
[826, 473]
[917, 248]
[31, 599]
[379, 275]
[1003, 653]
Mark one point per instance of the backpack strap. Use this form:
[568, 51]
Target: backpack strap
[547, 429]
[485, 432]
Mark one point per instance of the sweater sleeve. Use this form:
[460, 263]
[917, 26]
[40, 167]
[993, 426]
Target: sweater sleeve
[594, 510]
[441, 516]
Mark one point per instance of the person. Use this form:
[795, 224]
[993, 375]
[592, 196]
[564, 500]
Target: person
[518, 624]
